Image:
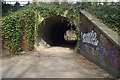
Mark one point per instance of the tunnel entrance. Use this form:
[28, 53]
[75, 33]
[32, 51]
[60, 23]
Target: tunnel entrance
[53, 31]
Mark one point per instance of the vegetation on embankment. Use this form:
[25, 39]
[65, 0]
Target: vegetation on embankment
[22, 24]
[108, 13]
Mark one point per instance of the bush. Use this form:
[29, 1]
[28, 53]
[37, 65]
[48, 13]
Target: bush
[109, 13]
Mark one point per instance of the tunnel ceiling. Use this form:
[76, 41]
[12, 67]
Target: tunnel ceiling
[52, 30]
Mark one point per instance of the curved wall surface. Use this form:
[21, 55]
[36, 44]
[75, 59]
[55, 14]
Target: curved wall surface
[52, 30]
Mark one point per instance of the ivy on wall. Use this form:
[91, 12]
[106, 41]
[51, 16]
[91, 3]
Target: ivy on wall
[28, 18]
[23, 24]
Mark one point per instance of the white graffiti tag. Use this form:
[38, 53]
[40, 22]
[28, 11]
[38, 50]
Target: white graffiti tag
[90, 38]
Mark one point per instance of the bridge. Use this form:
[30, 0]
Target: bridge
[97, 43]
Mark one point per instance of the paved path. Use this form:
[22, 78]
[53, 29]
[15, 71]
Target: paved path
[54, 62]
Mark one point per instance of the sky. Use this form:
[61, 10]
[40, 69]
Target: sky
[26, 1]
[20, 1]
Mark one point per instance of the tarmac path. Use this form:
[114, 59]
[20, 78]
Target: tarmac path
[52, 62]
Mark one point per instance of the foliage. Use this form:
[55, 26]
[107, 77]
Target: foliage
[109, 13]
[13, 25]
[8, 8]
[30, 16]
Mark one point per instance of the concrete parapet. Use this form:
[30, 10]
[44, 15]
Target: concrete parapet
[99, 43]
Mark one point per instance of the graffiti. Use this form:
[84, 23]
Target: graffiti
[102, 39]
[113, 59]
[90, 50]
[112, 55]
[104, 49]
[90, 38]
[94, 52]
[101, 46]
[108, 50]
[95, 43]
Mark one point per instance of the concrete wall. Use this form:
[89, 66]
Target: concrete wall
[99, 43]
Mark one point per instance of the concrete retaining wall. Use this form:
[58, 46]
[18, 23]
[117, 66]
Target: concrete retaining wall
[99, 43]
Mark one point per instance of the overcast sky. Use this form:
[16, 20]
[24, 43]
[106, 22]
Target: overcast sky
[26, 1]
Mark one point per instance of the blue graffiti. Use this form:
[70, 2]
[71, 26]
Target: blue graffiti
[102, 51]
[112, 54]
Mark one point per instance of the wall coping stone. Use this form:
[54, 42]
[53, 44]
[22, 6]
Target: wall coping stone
[109, 33]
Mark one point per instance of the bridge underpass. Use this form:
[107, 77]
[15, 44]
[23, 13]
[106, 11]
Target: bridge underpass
[54, 61]
[52, 30]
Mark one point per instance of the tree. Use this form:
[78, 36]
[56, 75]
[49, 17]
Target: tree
[17, 4]
[28, 3]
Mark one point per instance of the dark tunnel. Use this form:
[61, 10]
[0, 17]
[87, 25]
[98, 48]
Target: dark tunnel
[52, 31]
